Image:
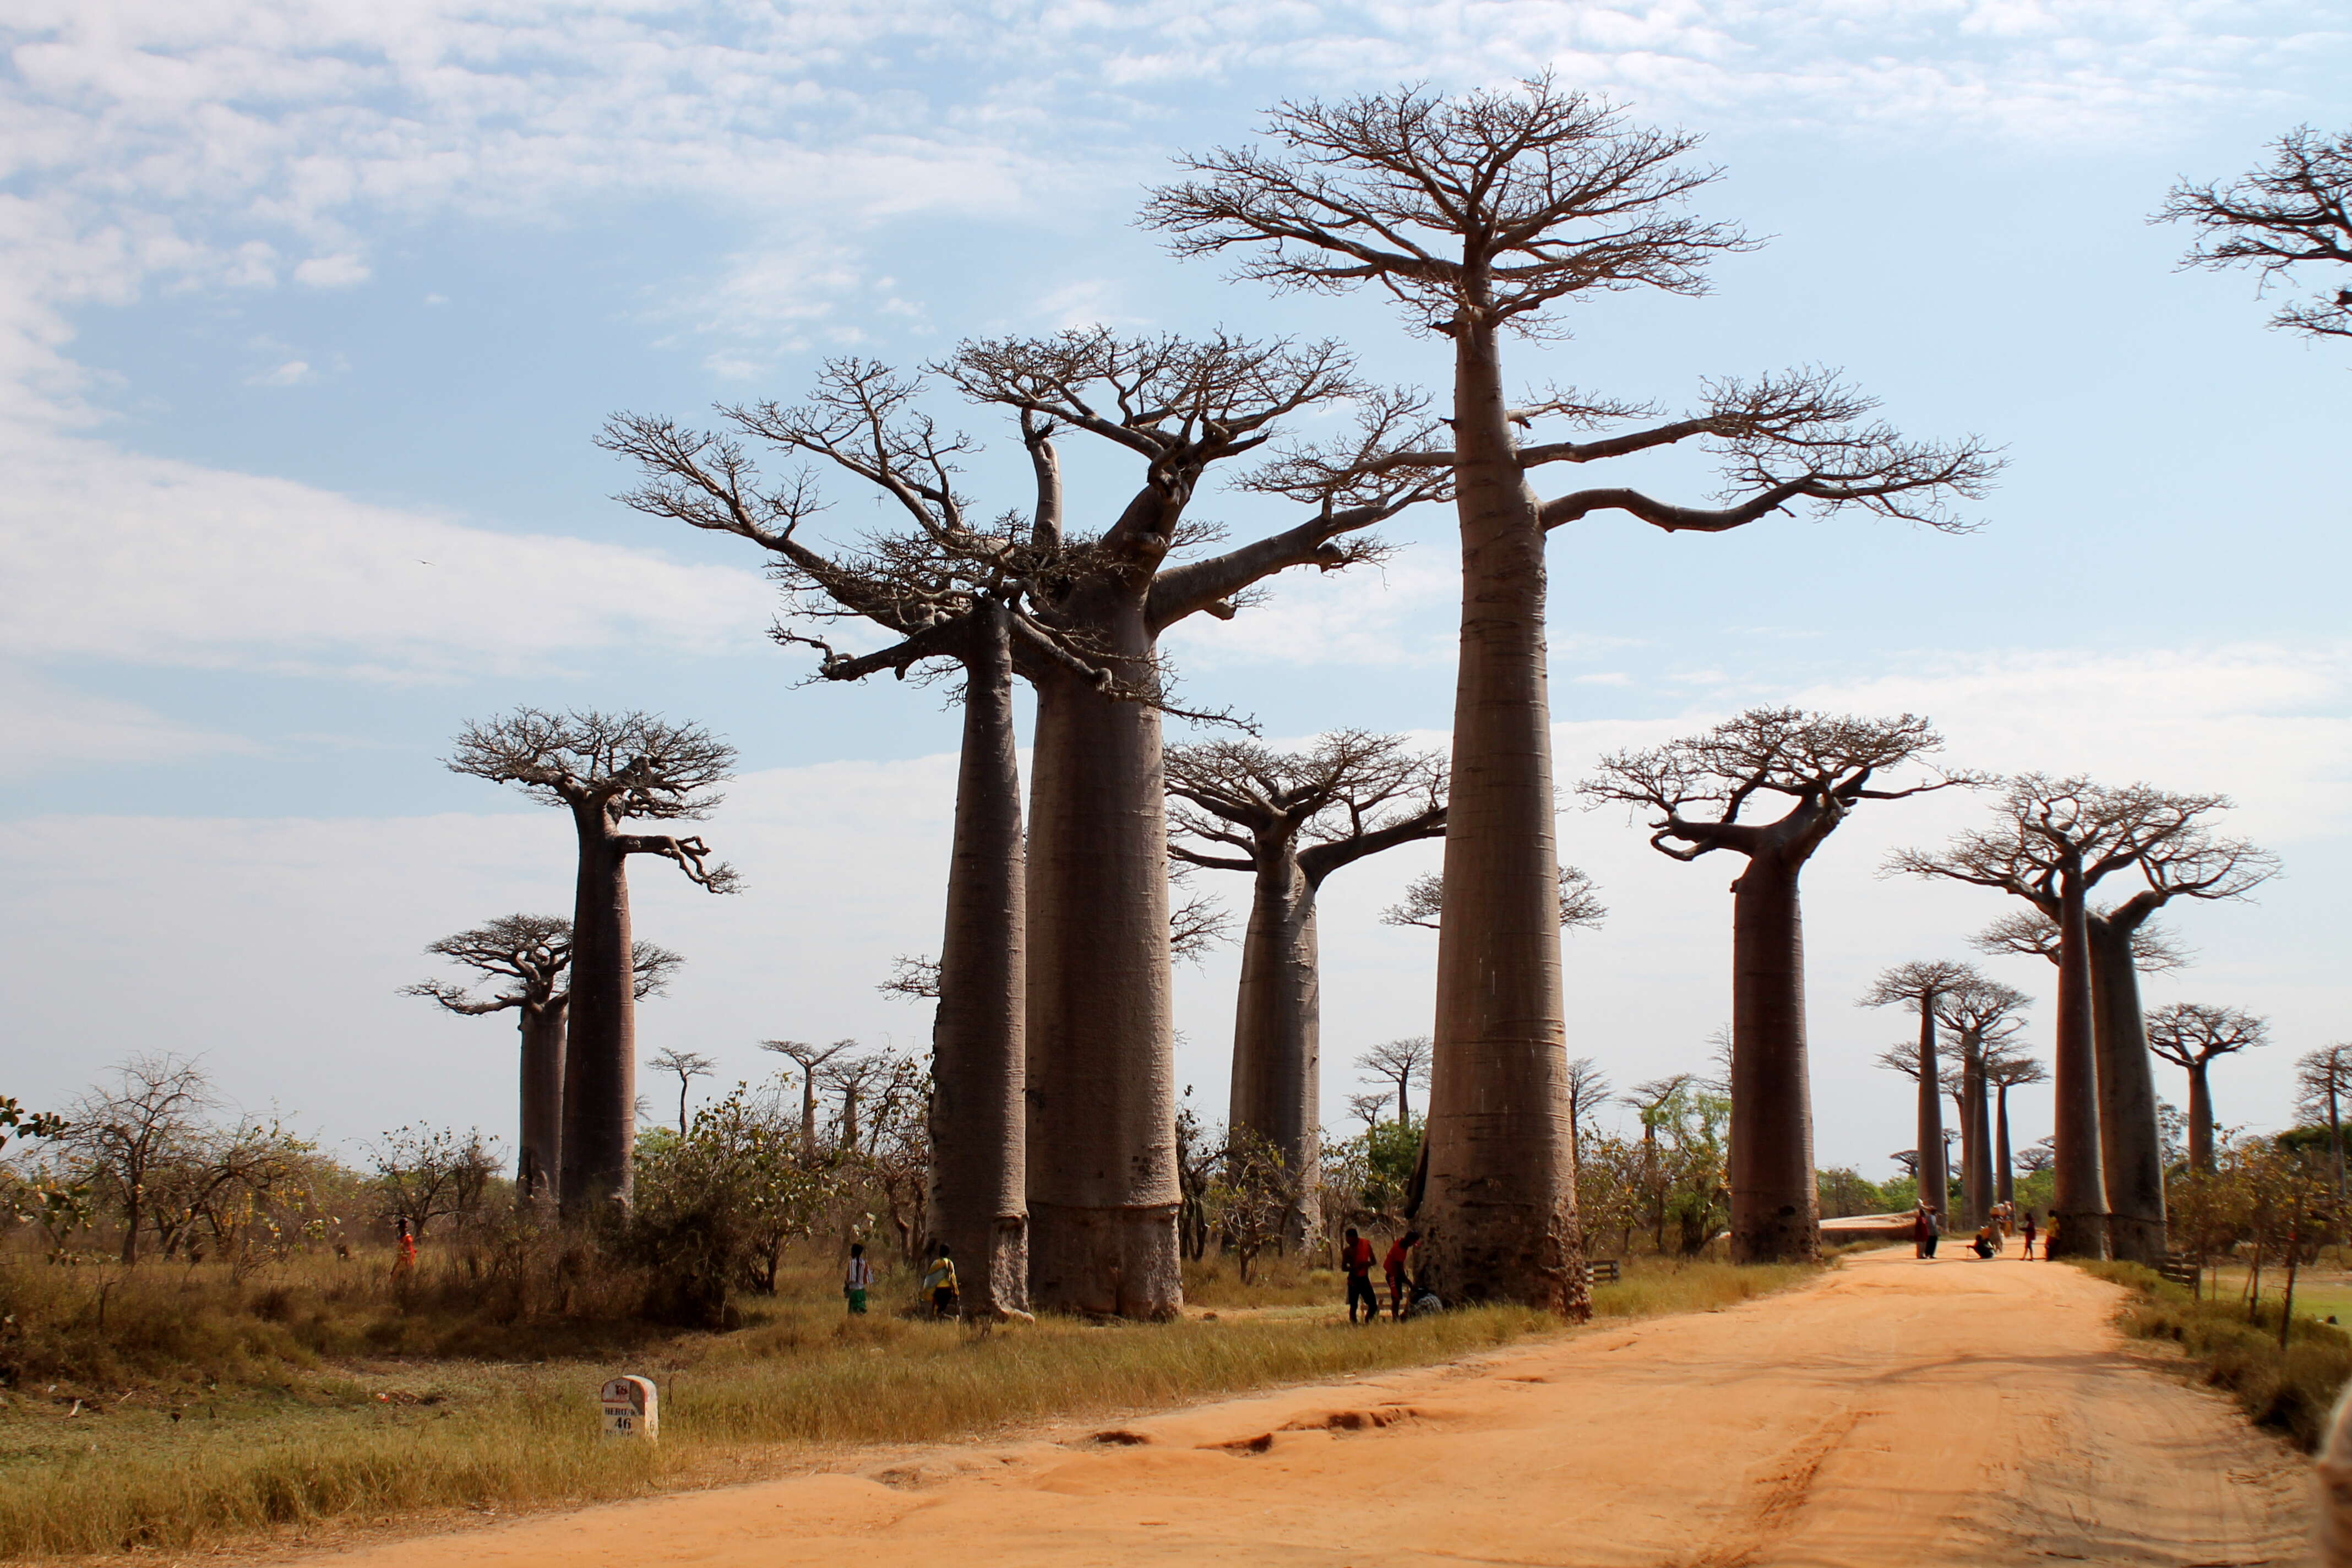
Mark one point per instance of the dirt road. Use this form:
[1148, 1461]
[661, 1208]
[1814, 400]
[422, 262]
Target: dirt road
[1893, 1415]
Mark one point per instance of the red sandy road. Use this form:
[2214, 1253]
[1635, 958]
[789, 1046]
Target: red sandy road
[1895, 1413]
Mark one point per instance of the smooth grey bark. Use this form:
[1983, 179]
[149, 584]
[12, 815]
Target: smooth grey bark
[1975, 1133]
[977, 1201]
[2004, 1163]
[539, 1158]
[1775, 1200]
[2130, 1146]
[1499, 1212]
[2079, 1197]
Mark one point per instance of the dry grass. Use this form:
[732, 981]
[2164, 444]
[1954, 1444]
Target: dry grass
[319, 1436]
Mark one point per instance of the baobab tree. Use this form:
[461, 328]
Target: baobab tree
[2191, 1035]
[688, 1065]
[1588, 1089]
[1084, 617]
[854, 1079]
[605, 769]
[527, 958]
[1404, 1063]
[1981, 1014]
[1290, 819]
[1424, 903]
[2007, 1066]
[809, 1058]
[1694, 791]
[1921, 986]
[2323, 1081]
[2052, 841]
[2294, 212]
[1478, 215]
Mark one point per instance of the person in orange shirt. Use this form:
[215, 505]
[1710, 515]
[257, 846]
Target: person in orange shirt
[1356, 1258]
[404, 1263]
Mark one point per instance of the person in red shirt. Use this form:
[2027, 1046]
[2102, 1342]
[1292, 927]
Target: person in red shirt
[1356, 1258]
[1394, 1265]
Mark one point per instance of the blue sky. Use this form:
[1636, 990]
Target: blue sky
[308, 314]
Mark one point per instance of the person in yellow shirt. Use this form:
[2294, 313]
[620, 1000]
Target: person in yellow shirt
[939, 1284]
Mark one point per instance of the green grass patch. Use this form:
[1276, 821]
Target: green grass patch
[2288, 1391]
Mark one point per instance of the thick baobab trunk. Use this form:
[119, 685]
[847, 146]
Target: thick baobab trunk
[2131, 1145]
[1934, 1172]
[539, 1156]
[1103, 1194]
[2004, 1172]
[1500, 1211]
[978, 1165]
[1976, 1135]
[600, 1047]
[2200, 1118]
[2079, 1200]
[1775, 1203]
[1277, 1028]
[808, 1114]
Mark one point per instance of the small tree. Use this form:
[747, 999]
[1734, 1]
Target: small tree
[688, 1066]
[1404, 1063]
[1253, 1197]
[854, 1079]
[2322, 1084]
[2191, 1035]
[1695, 790]
[132, 1129]
[1588, 1089]
[605, 769]
[2293, 213]
[426, 1174]
[1981, 1013]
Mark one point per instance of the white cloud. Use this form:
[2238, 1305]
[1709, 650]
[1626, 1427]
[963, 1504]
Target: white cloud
[293, 372]
[51, 726]
[116, 556]
[331, 272]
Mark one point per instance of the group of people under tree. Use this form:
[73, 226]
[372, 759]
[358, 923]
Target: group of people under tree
[1054, 1167]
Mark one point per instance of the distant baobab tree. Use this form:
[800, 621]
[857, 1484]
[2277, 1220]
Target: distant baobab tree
[856, 1080]
[1981, 1013]
[605, 769]
[1588, 1089]
[688, 1065]
[1580, 907]
[1367, 1109]
[1404, 1063]
[2007, 1066]
[810, 1058]
[2293, 212]
[2323, 1081]
[1921, 986]
[527, 958]
[1478, 215]
[2052, 840]
[1693, 791]
[1290, 819]
[2191, 1035]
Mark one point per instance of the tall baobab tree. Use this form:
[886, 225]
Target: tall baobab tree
[1478, 215]
[1082, 617]
[2323, 1081]
[1981, 1013]
[1921, 984]
[2053, 840]
[1404, 1063]
[688, 1065]
[856, 1080]
[605, 769]
[527, 957]
[1821, 767]
[810, 1058]
[2007, 1066]
[1424, 903]
[2295, 211]
[2191, 1035]
[1291, 820]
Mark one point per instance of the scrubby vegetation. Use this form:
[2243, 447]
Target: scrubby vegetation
[2236, 1347]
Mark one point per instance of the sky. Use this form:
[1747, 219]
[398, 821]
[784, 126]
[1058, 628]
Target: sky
[308, 314]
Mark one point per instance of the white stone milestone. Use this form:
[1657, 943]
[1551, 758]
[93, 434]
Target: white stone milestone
[632, 1408]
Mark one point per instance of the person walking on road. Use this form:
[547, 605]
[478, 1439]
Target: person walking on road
[939, 1284]
[1356, 1258]
[858, 1280]
[2025, 1229]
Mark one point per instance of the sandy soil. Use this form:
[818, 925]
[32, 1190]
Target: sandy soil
[1896, 1413]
